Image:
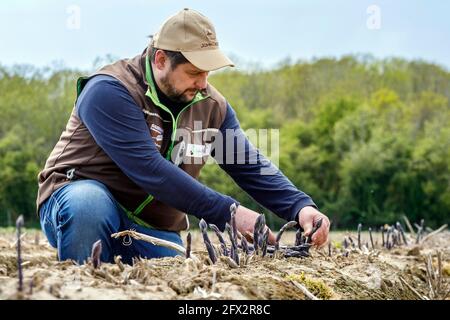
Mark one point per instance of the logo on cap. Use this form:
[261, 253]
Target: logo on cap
[211, 38]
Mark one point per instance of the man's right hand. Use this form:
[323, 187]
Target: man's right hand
[245, 222]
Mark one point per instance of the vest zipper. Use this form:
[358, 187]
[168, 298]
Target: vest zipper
[151, 89]
[151, 93]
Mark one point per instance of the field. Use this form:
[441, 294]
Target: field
[404, 272]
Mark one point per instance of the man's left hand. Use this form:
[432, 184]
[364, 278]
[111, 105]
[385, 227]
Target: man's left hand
[307, 218]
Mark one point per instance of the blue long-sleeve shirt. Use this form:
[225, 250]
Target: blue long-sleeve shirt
[118, 126]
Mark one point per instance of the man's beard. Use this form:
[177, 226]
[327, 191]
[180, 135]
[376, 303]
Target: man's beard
[173, 94]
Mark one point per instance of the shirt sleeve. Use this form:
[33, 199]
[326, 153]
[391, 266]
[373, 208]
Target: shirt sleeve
[118, 126]
[256, 175]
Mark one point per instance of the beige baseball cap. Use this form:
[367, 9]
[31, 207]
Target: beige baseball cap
[192, 34]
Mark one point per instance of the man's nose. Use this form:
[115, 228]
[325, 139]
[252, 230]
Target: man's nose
[202, 81]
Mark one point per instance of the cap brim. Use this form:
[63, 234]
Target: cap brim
[208, 60]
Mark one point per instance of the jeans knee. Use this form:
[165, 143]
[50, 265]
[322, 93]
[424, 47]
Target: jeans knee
[88, 204]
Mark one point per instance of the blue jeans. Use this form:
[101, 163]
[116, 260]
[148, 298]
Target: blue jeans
[84, 211]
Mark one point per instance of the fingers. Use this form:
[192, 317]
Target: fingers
[307, 227]
[272, 238]
[308, 218]
[248, 236]
[320, 237]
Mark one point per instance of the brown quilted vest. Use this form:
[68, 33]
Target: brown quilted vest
[196, 127]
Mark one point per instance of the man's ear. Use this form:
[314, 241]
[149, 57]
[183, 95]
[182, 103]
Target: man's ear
[161, 59]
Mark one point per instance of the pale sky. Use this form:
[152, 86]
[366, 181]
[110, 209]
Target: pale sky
[75, 32]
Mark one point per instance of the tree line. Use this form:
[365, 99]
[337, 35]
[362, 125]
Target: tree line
[368, 139]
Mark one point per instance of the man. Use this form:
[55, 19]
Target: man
[139, 134]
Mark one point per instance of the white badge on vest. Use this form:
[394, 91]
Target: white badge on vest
[198, 150]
